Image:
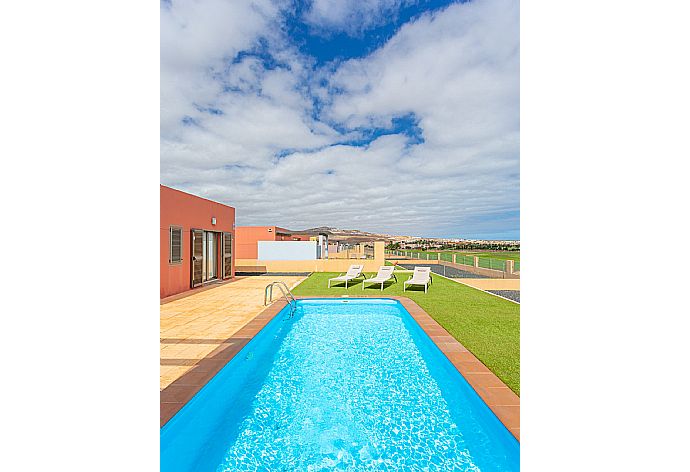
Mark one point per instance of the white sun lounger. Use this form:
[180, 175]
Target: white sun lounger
[384, 275]
[420, 276]
[354, 272]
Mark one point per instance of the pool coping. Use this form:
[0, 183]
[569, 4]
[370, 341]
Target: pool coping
[500, 399]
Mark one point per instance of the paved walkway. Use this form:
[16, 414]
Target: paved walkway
[492, 284]
[192, 327]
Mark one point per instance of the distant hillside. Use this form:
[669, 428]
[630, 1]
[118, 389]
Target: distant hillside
[354, 236]
[347, 235]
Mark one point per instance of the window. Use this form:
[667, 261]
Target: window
[175, 245]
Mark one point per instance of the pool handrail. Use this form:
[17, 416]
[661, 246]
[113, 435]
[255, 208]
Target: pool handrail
[287, 294]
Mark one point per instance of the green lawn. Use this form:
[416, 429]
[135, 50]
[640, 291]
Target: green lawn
[505, 256]
[486, 325]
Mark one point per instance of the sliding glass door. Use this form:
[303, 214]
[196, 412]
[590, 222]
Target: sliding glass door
[204, 256]
[211, 256]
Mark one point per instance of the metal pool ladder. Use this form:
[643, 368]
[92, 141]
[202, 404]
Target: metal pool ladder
[287, 294]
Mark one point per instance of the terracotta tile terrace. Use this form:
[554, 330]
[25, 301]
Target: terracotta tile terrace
[198, 325]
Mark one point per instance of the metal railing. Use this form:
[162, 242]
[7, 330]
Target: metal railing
[464, 260]
[489, 263]
[482, 262]
[287, 294]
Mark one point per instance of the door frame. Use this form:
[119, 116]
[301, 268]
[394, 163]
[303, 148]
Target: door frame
[218, 253]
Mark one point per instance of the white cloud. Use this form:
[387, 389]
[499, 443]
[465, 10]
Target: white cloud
[196, 37]
[197, 33]
[457, 70]
[351, 16]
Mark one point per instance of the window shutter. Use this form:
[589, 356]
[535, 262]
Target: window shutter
[197, 256]
[227, 255]
[175, 245]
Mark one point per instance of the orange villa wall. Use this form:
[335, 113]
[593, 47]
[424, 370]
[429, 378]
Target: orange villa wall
[188, 211]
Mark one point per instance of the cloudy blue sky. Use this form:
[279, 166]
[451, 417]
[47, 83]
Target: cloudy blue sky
[396, 116]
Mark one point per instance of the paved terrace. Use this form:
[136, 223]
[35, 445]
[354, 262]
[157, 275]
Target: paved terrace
[194, 326]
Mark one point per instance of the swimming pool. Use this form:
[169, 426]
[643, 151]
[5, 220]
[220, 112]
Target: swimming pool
[350, 384]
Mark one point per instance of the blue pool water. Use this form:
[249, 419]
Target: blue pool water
[343, 385]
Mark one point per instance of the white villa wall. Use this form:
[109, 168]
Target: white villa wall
[286, 250]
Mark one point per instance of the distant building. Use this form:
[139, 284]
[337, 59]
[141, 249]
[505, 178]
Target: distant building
[248, 238]
[197, 238]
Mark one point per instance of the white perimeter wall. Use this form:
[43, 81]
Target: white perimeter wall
[286, 250]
